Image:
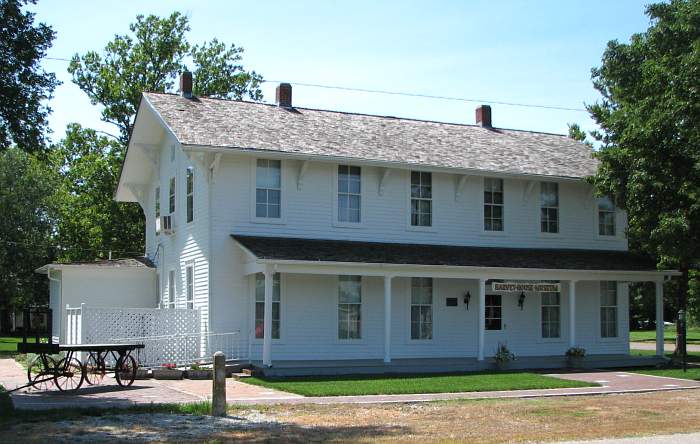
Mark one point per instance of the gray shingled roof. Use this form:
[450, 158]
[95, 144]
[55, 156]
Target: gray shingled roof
[255, 126]
[136, 262]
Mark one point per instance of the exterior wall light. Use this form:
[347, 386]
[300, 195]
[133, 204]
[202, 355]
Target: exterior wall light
[467, 297]
[521, 300]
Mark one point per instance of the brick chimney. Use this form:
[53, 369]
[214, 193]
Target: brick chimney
[186, 84]
[483, 116]
[283, 95]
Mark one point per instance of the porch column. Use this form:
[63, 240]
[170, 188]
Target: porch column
[387, 318]
[482, 318]
[267, 317]
[572, 313]
[659, 318]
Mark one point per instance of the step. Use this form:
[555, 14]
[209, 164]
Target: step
[239, 376]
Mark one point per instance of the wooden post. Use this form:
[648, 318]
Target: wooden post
[218, 399]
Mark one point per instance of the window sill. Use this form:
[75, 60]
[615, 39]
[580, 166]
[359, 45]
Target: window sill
[351, 341]
[265, 220]
[352, 225]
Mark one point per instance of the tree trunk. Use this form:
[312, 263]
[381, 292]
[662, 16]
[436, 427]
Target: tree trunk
[682, 305]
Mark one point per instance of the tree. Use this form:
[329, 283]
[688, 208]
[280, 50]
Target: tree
[150, 60]
[27, 206]
[91, 222]
[24, 86]
[576, 133]
[650, 154]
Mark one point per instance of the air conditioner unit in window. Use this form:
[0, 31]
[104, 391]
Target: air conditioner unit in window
[166, 224]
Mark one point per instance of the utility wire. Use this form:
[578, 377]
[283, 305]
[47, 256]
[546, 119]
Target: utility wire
[429, 96]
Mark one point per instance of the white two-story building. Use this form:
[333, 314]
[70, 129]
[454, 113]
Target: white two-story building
[355, 242]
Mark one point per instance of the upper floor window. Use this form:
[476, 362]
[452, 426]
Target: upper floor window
[549, 207]
[190, 193]
[189, 285]
[268, 188]
[606, 217]
[421, 308]
[551, 310]
[493, 204]
[260, 306]
[421, 199]
[608, 309]
[349, 307]
[157, 202]
[349, 193]
[171, 196]
[494, 315]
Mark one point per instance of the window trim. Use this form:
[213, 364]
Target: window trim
[409, 203]
[596, 223]
[500, 295]
[484, 231]
[189, 286]
[363, 187]
[189, 203]
[157, 209]
[172, 195]
[410, 307]
[618, 336]
[558, 208]
[562, 301]
[363, 313]
[283, 314]
[283, 193]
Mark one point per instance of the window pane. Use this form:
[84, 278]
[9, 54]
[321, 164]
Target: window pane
[354, 186]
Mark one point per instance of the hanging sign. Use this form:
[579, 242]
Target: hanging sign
[525, 286]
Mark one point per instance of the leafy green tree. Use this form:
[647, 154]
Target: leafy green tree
[150, 60]
[24, 86]
[650, 154]
[576, 133]
[27, 205]
[91, 222]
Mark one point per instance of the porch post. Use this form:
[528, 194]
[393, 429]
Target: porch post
[572, 313]
[482, 318]
[267, 317]
[659, 318]
[387, 318]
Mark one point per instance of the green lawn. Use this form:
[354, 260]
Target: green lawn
[407, 384]
[692, 373]
[669, 335]
[692, 356]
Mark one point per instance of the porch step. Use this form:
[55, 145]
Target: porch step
[247, 371]
[242, 375]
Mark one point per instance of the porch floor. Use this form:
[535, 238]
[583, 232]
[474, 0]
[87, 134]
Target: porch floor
[440, 365]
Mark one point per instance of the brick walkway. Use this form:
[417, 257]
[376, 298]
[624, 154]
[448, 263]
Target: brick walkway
[153, 391]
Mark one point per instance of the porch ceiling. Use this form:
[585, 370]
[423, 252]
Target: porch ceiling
[340, 251]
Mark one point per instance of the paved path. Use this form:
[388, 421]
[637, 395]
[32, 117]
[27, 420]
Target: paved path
[669, 347]
[153, 391]
[676, 438]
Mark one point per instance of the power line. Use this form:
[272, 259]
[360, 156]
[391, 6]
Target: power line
[57, 58]
[429, 96]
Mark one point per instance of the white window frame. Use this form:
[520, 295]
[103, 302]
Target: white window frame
[556, 208]
[487, 317]
[336, 193]
[189, 286]
[542, 321]
[279, 278]
[189, 194]
[431, 200]
[172, 195]
[430, 306]
[362, 333]
[597, 219]
[157, 209]
[502, 205]
[609, 286]
[253, 193]
[172, 288]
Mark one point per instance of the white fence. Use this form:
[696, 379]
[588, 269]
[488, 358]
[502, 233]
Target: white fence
[169, 335]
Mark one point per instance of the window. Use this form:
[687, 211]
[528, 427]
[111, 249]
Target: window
[549, 207]
[551, 309]
[190, 194]
[171, 289]
[260, 306]
[421, 308]
[268, 188]
[493, 204]
[171, 196]
[608, 309]
[493, 312]
[349, 193]
[421, 199]
[157, 201]
[189, 274]
[606, 217]
[349, 307]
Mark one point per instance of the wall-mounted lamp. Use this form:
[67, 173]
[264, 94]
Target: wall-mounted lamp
[467, 297]
[521, 300]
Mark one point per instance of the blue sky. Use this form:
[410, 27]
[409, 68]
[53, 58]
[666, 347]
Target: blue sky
[536, 52]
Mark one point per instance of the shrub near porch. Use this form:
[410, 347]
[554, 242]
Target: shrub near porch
[412, 384]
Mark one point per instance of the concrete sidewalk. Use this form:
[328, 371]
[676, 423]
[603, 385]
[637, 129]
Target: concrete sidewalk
[153, 391]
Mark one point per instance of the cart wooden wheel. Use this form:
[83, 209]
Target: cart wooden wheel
[94, 369]
[40, 372]
[125, 370]
[69, 374]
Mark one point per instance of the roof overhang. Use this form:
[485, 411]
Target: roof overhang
[45, 269]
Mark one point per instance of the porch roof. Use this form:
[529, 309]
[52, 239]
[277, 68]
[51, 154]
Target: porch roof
[343, 251]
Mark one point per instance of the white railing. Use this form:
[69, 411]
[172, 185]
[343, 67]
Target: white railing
[74, 325]
[184, 349]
